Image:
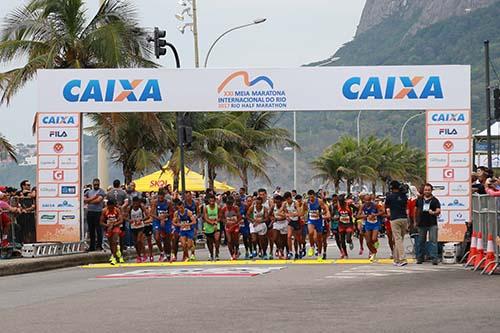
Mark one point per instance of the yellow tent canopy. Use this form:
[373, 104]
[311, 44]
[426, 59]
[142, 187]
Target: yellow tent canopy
[194, 182]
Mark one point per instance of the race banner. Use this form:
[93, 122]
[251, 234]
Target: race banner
[285, 89]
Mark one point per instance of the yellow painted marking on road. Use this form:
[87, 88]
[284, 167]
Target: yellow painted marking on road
[245, 262]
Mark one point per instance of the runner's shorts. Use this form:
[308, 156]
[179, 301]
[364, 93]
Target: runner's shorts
[232, 228]
[345, 228]
[115, 231]
[148, 230]
[165, 230]
[295, 225]
[136, 231]
[260, 229]
[372, 226]
[189, 234]
[281, 226]
[245, 230]
[318, 225]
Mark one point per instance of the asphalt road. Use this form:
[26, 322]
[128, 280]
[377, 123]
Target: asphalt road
[288, 298]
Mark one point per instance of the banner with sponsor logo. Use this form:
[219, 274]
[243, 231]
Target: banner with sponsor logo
[286, 89]
[449, 166]
[58, 177]
[63, 94]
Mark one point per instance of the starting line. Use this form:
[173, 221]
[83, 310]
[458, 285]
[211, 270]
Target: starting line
[245, 263]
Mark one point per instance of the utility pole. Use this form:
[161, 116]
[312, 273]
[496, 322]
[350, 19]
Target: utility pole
[102, 153]
[488, 100]
[195, 35]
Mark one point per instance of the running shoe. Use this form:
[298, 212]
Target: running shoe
[186, 259]
[210, 258]
[247, 256]
[162, 258]
[270, 256]
[168, 259]
[112, 261]
[289, 256]
[112, 258]
[324, 256]
[192, 258]
[296, 256]
[351, 246]
[174, 259]
[144, 258]
[138, 259]
[320, 258]
[316, 253]
[151, 259]
[373, 257]
[254, 254]
[360, 252]
[216, 257]
[276, 254]
[376, 244]
[121, 260]
[402, 264]
[310, 252]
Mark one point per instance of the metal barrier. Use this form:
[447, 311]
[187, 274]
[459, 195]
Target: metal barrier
[37, 250]
[485, 220]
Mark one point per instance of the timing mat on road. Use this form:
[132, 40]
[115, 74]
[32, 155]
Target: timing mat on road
[245, 263]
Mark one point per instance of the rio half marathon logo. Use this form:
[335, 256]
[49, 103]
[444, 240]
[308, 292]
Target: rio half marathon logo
[258, 93]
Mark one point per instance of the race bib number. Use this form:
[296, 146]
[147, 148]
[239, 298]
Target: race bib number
[345, 219]
[185, 226]
[314, 215]
[427, 206]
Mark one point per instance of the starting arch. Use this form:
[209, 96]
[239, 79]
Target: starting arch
[442, 91]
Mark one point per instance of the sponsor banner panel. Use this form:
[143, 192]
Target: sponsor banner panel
[448, 117]
[58, 148]
[437, 160]
[454, 203]
[448, 131]
[58, 120]
[55, 134]
[448, 146]
[440, 188]
[448, 174]
[58, 177]
[58, 204]
[256, 89]
[449, 168]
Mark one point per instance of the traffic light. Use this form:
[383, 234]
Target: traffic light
[160, 43]
[496, 103]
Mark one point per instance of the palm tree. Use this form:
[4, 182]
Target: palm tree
[136, 140]
[330, 166]
[55, 34]
[6, 147]
[258, 136]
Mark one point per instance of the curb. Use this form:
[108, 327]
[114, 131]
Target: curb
[32, 265]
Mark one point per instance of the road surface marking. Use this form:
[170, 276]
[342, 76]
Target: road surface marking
[367, 271]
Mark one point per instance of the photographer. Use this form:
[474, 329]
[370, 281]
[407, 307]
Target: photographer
[396, 207]
[428, 209]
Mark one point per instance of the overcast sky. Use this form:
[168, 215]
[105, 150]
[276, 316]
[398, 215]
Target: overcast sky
[296, 32]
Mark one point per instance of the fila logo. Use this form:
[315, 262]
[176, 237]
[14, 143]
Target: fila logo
[378, 88]
[58, 134]
[112, 91]
[448, 131]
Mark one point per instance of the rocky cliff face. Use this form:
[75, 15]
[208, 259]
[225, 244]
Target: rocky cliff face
[427, 12]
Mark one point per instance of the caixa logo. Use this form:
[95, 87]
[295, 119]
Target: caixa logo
[393, 87]
[112, 91]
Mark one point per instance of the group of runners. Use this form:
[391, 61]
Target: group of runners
[277, 226]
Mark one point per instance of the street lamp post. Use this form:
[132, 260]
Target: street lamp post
[256, 21]
[357, 126]
[406, 123]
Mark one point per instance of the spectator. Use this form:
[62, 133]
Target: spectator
[491, 187]
[94, 198]
[428, 209]
[5, 220]
[26, 220]
[396, 207]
